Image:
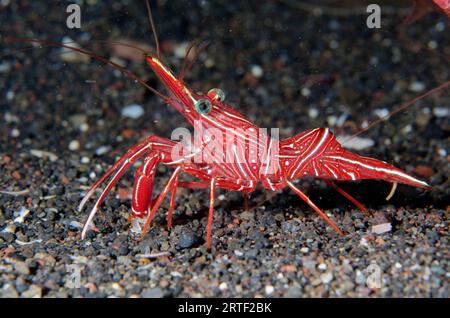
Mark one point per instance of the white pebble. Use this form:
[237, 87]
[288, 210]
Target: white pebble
[313, 113]
[332, 120]
[85, 160]
[74, 145]
[442, 152]
[304, 250]
[102, 150]
[364, 242]
[179, 49]
[15, 132]
[9, 95]
[432, 45]
[9, 118]
[269, 290]
[398, 265]
[238, 253]
[360, 278]
[257, 71]
[84, 127]
[440, 26]
[176, 274]
[306, 92]
[5, 67]
[407, 129]
[223, 286]
[132, 111]
[383, 112]
[209, 63]
[365, 124]
[322, 266]
[83, 180]
[71, 56]
[326, 277]
[417, 87]
[441, 111]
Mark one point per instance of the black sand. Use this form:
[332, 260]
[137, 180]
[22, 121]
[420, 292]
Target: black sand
[335, 65]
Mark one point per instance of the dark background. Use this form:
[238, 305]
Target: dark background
[349, 71]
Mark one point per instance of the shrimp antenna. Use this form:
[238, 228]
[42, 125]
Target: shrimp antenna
[185, 60]
[97, 57]
[117, 43]
[399, 109]
[100, 42]
[188, 65]
[152, 24]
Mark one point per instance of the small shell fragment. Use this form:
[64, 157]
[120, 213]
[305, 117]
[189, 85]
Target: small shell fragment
[44, 154]
[391, 194]
[23, 212]
[381, 228]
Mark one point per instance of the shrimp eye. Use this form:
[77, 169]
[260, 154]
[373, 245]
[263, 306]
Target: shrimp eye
[216, 94]
[203, 106]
